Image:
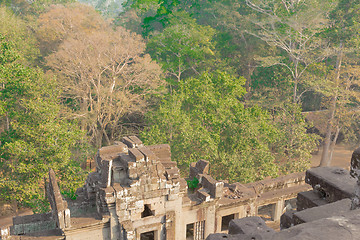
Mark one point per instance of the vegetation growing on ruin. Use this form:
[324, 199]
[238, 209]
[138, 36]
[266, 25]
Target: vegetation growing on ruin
[226, 81]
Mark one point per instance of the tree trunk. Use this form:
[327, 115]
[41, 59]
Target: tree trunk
[106, 137]
[333, 143]
[325, 154]
[250, 71]
[7, 123]
[325, 160]
[295, 92]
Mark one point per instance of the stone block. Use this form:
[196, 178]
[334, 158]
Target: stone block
[106, 172]
[121, 205]
[136, 204]
[149, 155]
[67, 218]
[215, 188]
[332, 209]
[160, 169]
[241, 190]
[309, 199]
[286, 220]
[168, 164]
[133, 173]
[333, 183]
[172, 173]
[136, 155]
[162, 151]
[162, 183]
[219, 189]
[108, 194]
[203, 195]
[183, 185]
[154, 186]
[123, 159]
[346, 226]
[202, 166]
[32, 218]
[282, 182]
[128, 142]
[112, 151]
[355, 164]
[250, 226]
[174, 190]
[136, 140]
[222, 236]
[172, 197]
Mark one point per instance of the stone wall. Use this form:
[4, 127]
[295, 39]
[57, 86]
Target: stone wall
[60, 212]
[137, 193]
[32, 223]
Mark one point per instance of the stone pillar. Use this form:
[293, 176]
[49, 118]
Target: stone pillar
[180, 226]
[114, 223]
[278, 209]
[127, 231]
[199, 230]
[163, 232]
[355, 172]
[210, 219]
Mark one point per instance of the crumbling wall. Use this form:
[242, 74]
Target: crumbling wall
[32, 223]
[60, 212]
[133, 181]
[137, 190]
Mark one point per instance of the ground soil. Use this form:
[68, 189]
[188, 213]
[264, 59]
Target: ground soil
[6, 220]
[341, 157]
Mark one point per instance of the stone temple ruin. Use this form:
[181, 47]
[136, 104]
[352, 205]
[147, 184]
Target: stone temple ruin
[136, 193]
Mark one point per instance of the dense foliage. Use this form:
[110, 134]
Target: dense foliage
[226, 81]
[204, 118]
[36, 135]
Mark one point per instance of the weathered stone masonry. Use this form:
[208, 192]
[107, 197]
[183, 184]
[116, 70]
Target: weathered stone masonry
[330, 211]
[136, 193]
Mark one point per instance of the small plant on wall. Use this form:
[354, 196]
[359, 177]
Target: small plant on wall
[193, 184]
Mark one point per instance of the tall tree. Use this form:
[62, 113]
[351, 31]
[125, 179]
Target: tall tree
[183, 46]
[343, 33]
[35, 136]
[16, 30]
[106, 74]
[293, 27]
[61, 22]
[204, 119]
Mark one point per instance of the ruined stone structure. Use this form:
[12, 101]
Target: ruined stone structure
[329, 211]
[136, 193]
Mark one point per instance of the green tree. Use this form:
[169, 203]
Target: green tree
[343, 31]
[30, 9]
[204, 119]
[35, 134]
[183, 46]
[294, 146]
[294, 27]
[19, 32]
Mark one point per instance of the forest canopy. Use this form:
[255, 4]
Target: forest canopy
[237, 83]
